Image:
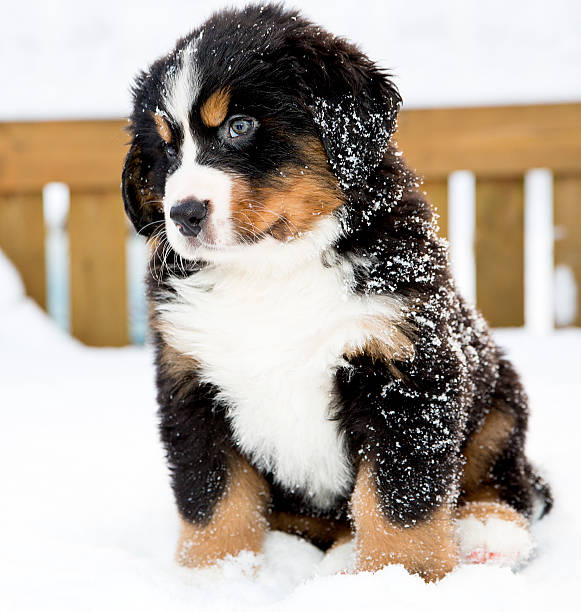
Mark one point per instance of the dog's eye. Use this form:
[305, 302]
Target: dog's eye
[241, 126]
[171, 151]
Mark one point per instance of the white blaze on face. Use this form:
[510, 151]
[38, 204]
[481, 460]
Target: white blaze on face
[192, 179]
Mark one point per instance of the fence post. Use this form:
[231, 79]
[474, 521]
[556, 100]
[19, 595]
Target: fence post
[97, 239]
[567, 205]
[22, 239]
[499, 246]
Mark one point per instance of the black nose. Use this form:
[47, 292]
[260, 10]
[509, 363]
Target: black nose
[188, 215]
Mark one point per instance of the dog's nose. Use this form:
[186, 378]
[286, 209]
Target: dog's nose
[188, 215]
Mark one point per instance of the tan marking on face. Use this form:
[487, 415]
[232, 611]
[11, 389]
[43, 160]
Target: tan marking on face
[321, 531]
[299, 197]
[427, 549]
[162, 127]
[481, 450]
[483, 511]
[238, 522]
[215, 109]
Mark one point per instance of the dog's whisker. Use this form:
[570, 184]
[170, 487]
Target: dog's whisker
[160, 222]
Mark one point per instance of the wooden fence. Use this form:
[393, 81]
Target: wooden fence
[499, 144]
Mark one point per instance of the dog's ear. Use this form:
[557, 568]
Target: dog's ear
[353, 103]
[141, 199]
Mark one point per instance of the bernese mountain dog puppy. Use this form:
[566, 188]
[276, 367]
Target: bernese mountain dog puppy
[317, 370]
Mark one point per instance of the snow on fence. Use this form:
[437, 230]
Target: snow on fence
[499, 145]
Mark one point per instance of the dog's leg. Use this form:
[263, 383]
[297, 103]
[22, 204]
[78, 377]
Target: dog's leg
[404, 426]
[426, 548]
[238, 521]
[221, 499]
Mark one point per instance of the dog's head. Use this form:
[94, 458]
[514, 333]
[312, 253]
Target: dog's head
[254, 128]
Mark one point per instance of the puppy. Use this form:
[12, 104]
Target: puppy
[317, 370]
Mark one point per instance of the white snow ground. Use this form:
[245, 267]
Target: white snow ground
[87, 519]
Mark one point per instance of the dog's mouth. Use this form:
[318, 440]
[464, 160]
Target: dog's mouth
[210, 246]
[212, 236]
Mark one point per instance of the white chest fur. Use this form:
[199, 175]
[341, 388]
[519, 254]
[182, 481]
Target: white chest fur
[271, 342]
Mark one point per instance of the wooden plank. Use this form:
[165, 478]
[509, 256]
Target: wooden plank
[87, 155]
[567, 206]
[437, 192]
[499, 249]
[97, 239]
[22, 239]
[492, 141]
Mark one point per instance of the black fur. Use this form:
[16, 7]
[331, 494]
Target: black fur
[412, 421]
[197, 439]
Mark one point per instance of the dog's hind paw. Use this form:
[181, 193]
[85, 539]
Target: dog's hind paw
[494, 541]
